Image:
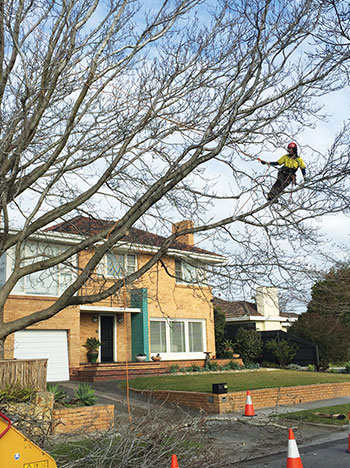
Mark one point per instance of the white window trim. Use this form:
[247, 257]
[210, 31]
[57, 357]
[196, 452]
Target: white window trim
[8, 272]
[171, 356]
[189, 283]
[103, 265]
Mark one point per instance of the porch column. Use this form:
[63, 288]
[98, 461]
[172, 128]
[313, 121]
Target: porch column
[139, 323]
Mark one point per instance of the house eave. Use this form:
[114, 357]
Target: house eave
[107, 309]
[71, 239]
[259, 318]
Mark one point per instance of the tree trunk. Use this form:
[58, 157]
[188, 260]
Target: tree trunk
[2, 348]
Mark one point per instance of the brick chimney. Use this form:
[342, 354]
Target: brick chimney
[187, 239]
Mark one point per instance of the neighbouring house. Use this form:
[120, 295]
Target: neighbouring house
[264, 315]
[168, 311]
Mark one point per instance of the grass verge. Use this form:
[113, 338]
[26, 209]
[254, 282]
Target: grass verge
[310, 416]
[236, 381]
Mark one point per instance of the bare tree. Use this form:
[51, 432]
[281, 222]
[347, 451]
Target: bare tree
[132, 108]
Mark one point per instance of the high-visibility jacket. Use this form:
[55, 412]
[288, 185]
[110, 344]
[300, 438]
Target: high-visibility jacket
[290, 164]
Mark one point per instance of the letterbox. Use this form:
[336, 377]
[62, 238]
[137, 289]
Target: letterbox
[219, 388]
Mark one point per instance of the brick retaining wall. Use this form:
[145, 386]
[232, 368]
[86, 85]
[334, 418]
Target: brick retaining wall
[87, 418]
[262, 398]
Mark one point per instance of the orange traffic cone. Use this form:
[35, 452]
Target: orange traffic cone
[174, 463]
[249, 410]
[293, 460]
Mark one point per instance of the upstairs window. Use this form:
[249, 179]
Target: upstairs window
[50, 281]
[186, 273]
[116, 265]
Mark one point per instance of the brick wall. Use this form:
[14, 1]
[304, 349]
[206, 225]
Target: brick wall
[262, 398]
[165, 297]
[68, 319]
[86, 418]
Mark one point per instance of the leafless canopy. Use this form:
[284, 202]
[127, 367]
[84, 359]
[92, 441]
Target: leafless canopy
[132, 110]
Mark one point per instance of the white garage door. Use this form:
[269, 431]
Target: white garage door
[50, 344]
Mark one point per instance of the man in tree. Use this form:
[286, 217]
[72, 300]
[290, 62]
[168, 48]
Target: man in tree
[286, 175]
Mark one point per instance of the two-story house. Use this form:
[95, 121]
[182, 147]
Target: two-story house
[167, 311]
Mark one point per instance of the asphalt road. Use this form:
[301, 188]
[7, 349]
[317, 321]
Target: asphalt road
[327, 455]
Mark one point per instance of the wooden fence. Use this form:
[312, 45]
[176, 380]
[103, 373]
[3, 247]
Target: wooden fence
[23, 372]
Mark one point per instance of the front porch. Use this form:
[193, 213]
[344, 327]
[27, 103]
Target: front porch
[99, 372]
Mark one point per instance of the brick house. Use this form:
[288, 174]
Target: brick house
[264, 315]
[167, 311]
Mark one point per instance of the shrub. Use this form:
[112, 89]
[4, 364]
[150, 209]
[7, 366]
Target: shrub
[295, 367]
[194, 368]
[252, 365]
[85, 395]
[227, 367]
[311, 368]
[234, 365]
[174, 368]
[16, 393]
[212, 366]
[282, 350]
[248, 345]
[347, 367]
[219, 324]
[58, 393]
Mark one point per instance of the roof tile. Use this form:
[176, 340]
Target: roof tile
[87, 226]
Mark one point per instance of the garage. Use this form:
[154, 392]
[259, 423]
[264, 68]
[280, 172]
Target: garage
[49, 344]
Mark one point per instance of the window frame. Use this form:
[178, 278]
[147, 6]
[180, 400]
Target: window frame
[21, 288]
[200, 273]
[187, 354]
[102, 268]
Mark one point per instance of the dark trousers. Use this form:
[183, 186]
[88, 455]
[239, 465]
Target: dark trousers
[284, 178]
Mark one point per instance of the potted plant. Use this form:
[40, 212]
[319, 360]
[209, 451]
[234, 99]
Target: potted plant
[228, 348]
[141, 357]
[92, 344]
[157, 357]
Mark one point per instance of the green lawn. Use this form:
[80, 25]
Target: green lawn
[310, 416]
[236, 381]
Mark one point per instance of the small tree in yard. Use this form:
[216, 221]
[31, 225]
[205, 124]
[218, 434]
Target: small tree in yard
[249, 345]
[282, 350]
[219, 323]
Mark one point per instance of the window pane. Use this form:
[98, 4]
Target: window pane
[195, 336]
[178, 270]
[177, 337]
[43, 282]
[158, 343]
[115, 263]
[189, 273]
[131, 263]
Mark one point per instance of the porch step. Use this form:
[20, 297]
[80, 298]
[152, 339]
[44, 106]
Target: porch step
[115, 371]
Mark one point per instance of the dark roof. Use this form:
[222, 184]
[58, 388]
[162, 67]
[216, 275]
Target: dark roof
[87, 226]
[236, 309]
[289, 315]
